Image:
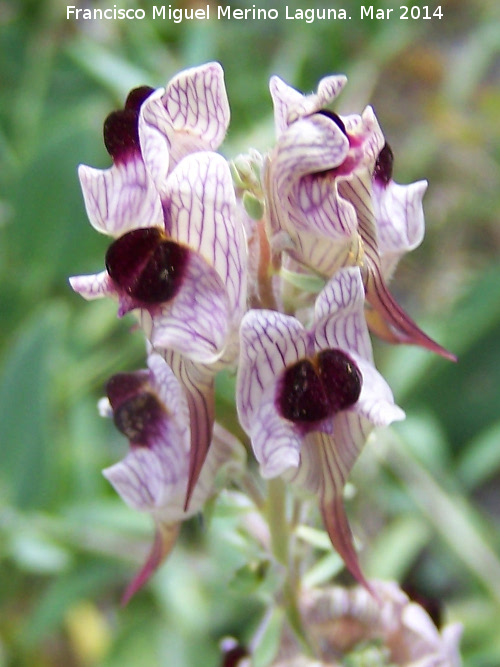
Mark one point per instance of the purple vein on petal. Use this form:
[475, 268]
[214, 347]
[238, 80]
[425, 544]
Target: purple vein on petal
[203, 214]
[195, 322]
[338, 457]
[196, 101]
[198, 383]
[339, 314]
[269, 342]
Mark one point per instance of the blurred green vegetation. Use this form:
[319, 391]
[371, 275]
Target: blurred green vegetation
[428, 492]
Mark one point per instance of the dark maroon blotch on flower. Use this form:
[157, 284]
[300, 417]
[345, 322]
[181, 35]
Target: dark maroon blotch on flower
[336, 119]
[312, 390]
[303, 397]
[384, 165]
[122, 386]
[136, 97]
[147, 265]
[137, 410]
[341, 377]
[138, 417]
[121, 128]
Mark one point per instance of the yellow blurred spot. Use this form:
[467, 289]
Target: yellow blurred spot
[88, 632]
[424, 64]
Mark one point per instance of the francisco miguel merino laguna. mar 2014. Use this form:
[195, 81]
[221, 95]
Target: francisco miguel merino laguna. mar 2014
[177, 15]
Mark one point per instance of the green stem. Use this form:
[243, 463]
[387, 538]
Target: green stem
[277, 521]
[248, 484]
[280, 545]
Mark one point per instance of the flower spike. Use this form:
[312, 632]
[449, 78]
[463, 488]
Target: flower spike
[272, 270]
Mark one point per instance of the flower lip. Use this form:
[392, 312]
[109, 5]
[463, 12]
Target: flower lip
[147, 265]
[384, 165]
[312, 390]
[121, 133]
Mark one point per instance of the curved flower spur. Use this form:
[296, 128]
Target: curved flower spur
[308, 398]
[332, 201]
[179, 254]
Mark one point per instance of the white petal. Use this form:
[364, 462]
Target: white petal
[303, 198]
[328, 89]
[276, 441]
[339, 315]
[376, 402]
[284, 98]
[400, 220]
[290, 105]
[168, 388]
[327, 459]
[315, 206]
[149, 476]
[156, 136]
[356, 188]
[195, 322]
[196, 101]
[270, 341]
[94, 286]
[308, 146]
[120, 198]
[325, 255]
[191, 115]
[417, 620]
[202, 209]
[370, 132]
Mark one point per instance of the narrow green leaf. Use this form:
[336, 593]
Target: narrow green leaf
[28, 460]
[480, 460]
[268, 645]
[397, 547]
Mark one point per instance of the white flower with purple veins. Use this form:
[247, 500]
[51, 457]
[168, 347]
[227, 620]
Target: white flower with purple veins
[308, 398]
[332, 201]
[191, 114]
[314, 153]
[146, 140]
[184, 254]
[150, 408]
[122, 197]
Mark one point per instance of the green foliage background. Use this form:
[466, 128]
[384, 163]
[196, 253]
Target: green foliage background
[428, 495]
